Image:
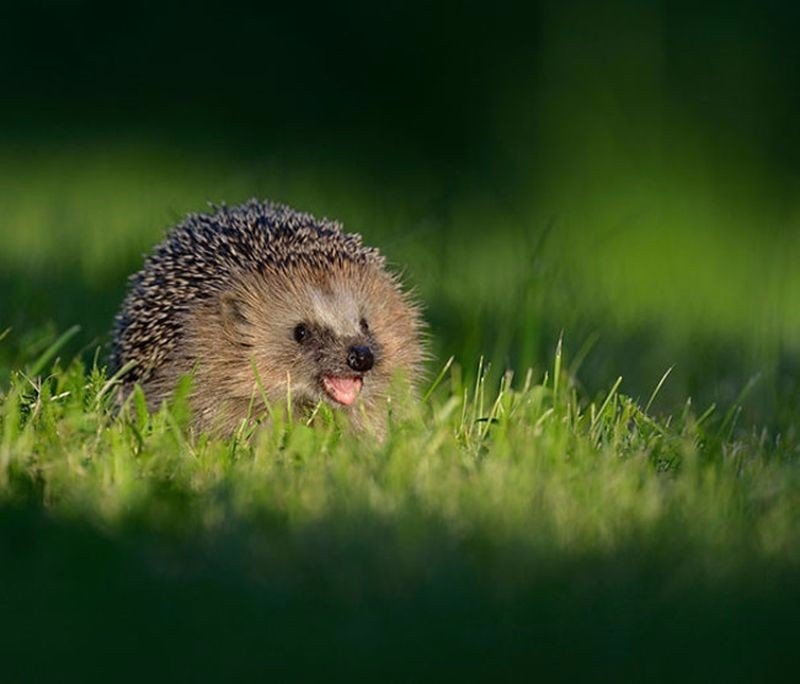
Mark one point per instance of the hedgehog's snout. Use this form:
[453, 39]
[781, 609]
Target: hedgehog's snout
[360, 358]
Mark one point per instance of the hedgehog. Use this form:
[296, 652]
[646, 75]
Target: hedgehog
[260, 303]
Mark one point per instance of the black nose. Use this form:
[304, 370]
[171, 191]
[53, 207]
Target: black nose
[360, 359]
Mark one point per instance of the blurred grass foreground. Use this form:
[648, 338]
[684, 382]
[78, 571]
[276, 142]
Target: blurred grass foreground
[623, 176]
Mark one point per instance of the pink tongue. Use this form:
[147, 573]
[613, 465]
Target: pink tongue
[343, 390]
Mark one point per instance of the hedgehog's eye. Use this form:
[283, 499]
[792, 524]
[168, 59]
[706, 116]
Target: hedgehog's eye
[301, 333]
[364, 325]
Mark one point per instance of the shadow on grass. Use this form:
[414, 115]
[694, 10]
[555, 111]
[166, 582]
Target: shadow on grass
[38, 308]
[353, 599]
[707, 369]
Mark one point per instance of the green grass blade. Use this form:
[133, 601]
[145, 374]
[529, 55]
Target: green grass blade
[657, 389]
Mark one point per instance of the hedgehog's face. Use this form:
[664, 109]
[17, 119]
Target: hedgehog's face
[334, 352]
[337, 336]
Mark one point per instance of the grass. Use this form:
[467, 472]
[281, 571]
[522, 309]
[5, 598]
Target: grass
[494, 532]
[561, 522]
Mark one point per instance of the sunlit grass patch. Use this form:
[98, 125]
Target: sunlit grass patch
[535, 461]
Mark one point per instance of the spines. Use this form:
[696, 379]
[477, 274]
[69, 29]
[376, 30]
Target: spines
[201, 256]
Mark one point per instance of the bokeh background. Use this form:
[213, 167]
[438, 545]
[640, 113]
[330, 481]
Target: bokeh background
[625, 172]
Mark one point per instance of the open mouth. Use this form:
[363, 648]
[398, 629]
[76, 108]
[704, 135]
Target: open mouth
[343, 390]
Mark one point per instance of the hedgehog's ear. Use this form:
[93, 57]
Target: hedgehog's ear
[231, 311]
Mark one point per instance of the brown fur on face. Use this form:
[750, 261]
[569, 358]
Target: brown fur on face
[250, 328]
[239, 334]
